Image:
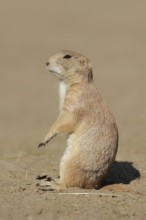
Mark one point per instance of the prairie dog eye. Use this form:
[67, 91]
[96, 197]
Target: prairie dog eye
[67, 56]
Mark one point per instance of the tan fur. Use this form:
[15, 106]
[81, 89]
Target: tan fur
[93, 135]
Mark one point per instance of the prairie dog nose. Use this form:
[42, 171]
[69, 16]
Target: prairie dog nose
[47, 63]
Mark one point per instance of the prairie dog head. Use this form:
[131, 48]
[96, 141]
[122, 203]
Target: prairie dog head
[69, 65]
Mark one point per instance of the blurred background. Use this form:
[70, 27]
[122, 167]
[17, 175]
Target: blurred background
[112, 34]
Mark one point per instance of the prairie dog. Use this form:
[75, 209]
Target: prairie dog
[92, 131]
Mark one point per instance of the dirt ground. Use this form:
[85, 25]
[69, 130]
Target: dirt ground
[113, 35]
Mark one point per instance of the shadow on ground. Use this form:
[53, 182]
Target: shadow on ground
[122, 172]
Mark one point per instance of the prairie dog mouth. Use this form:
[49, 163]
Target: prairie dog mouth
[53, 69]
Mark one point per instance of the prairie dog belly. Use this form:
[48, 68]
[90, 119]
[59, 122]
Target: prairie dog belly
[70, 148]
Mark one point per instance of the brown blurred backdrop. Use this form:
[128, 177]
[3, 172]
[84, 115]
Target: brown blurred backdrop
[111, 33]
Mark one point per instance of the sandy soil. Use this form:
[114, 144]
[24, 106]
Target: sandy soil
[113, 35]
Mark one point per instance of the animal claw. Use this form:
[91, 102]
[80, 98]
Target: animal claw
[41, 144]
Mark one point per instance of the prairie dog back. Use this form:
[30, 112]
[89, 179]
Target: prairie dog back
[92, 131]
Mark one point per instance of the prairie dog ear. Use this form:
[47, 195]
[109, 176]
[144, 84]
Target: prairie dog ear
[83, 61]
